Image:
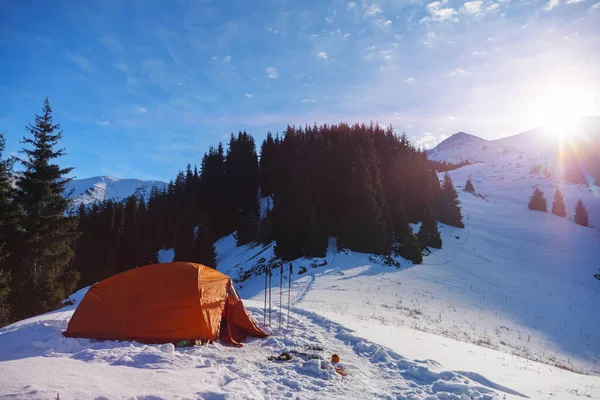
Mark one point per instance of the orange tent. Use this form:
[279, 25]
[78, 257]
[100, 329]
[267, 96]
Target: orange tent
[164, 303]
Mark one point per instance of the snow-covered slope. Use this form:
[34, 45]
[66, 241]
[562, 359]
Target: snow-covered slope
[37, 362]
[100, 188]
[465, 147]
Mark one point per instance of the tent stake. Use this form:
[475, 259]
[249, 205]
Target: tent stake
[289, 294]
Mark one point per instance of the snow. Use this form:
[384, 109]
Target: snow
[506, 309]
[465, 147]
[38, 362]
[99, 188]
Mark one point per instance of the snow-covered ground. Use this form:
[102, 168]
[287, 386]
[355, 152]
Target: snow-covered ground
[507, 309]
[37, 362]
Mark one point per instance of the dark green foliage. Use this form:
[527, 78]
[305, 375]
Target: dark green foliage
[267, 165]
[411, 249]
[537, 202]
[241, 183]
[558, 206]
[183, 246]
[362, 229]
[448, 210]
[5, 306]
[265, 230]
[42, 275]
[581, 214]
[469, 187]
[203, 250]
[7, 230]
[429, 234]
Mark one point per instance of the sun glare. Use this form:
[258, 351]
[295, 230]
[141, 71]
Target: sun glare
[558, 111]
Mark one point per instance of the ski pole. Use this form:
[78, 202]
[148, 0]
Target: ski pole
[265, 306]
[270, 282]
[280, 292]
[289, 294]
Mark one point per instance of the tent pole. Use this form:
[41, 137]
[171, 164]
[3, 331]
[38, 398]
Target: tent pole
[289, 294]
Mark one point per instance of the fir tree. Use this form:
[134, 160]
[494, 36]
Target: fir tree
[43, 277]
[5, 307]
[128, 241]
[537, 201]
[363, 230]
[183, 245]
[469, 187]
[558, 206]
[448, 204]
[7, 231]
[581, 214]
[411, 248]
[429, 234]
[203, 249]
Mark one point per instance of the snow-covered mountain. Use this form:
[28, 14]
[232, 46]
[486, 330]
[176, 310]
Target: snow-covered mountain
[100, 188]
[545, 141]
[466, 147]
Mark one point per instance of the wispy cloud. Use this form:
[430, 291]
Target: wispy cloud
[384, 23]
[309, 101]
[430, 39]
[103, 123]
[249, 95]
[551, 4]
[410, 80]
[595, 6]
[227, 58]
[322, 55]
[352, 5]
[459, 71]
[372, 10]
[83, 63]
[438, 13]
[272, 73]
[112, 44]
[140, 109]
[479, 53]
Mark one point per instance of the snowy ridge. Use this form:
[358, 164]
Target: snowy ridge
[99, 188]
[465, 147]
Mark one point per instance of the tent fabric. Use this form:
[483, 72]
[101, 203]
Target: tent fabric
[164, 303]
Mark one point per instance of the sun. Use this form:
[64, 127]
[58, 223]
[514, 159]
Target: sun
[558, 110]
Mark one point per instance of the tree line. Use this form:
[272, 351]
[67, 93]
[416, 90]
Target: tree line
[537, 202]
[363, 184]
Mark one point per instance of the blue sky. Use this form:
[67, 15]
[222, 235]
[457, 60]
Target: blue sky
[141, 88]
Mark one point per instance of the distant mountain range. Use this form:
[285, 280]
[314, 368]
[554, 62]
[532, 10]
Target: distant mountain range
[538, 141]
[99, 188]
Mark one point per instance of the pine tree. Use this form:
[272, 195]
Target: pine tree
[469, 187]
[43, 277]
[128, 241]
[558, 206]
[411, 248]
[203, 249]
[5, 307]
[429, 234]
[267, 165]
[448, 204]
[362, 229]
[183, 245]
[7, 229]
[537, 201]
[581, 214]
